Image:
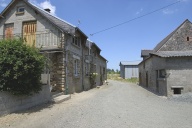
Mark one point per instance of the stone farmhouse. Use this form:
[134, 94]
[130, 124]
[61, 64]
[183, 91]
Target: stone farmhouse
[74, 63]
[167, 69]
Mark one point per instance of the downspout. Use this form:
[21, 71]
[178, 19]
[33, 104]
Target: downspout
[66, 69]
[66, 72]
[83, 68]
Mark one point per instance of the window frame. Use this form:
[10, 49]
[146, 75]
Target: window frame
[77, 41]
[20, 10]
[75, 67]
[87, 68]
[161, 73]
[9, 26]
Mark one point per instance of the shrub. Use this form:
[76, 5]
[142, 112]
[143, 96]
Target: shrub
[20, 68]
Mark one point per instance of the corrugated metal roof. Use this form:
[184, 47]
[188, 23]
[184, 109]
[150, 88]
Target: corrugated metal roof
[173, 53]
[130, 62]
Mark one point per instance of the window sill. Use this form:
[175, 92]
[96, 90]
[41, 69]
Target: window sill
[76, 45]
[87, 75]
[20, 13]
[161, 79]
[76, 76]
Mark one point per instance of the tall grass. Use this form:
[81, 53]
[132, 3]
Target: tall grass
[118, 78]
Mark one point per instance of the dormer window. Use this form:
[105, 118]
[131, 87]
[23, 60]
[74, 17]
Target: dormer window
[20, 10]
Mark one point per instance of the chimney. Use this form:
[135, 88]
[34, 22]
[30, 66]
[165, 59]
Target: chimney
[47, 10]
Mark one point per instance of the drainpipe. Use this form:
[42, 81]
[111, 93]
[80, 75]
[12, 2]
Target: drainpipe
[48, 74]
[66, 69]
[83, 68]
[66, 72]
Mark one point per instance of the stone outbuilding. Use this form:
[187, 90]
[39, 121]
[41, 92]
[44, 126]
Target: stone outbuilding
[167, 69]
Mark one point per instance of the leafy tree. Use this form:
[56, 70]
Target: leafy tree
[117, 71]
[112, 71]
[20, 68]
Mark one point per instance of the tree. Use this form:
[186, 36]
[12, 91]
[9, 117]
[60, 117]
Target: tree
[117, 71]
[20, 68]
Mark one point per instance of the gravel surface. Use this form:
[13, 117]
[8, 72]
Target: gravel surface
[117, 105]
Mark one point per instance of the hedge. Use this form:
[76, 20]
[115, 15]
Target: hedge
[20, 67]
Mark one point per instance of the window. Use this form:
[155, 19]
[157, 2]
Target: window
[143, 65]
[77, 41]
[76, 67]
[8, 31]
[20, 10]
[187, 38]
[161, 73]
[104, 71]
[87, 69]
[177, 89]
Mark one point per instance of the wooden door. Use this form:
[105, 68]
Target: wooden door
[8, 31]
[29, 33]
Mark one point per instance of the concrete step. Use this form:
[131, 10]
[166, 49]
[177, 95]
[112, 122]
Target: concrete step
[56, 94]
[61, 98]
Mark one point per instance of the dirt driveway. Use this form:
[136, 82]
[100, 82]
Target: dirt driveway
[117, 105]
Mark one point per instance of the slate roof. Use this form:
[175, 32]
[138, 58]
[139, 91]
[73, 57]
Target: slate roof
[159, 45]
[166, 54]
[129, 62]
[60, 23]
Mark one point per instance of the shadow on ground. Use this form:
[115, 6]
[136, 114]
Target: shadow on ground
[37, 108]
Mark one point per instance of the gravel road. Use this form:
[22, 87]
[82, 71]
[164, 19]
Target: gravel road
[117, 105]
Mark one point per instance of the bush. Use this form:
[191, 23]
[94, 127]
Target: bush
[20, 68]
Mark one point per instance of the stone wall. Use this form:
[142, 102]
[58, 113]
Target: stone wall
[179, 78]
[178, 70]
[10, 103]
[74, 82]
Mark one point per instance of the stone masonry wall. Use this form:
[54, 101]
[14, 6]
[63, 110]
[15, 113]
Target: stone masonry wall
[178, 71]
[57, 71]
[179, 78]
[178, 42]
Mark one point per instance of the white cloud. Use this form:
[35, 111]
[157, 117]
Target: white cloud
[44, 5]
[140, 11]
[169, 12]
[2, 3]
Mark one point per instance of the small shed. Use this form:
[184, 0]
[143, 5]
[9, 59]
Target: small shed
[129, 69]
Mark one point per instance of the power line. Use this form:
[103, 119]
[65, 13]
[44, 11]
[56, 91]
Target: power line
[136, 18]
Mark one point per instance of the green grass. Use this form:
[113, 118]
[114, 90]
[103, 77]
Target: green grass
[118, 78]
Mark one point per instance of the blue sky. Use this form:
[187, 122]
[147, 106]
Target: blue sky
[123, 43]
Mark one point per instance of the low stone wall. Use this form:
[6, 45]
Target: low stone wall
[10, 103]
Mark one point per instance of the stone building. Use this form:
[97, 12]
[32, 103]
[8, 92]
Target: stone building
[64, 45]
[167, 69]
